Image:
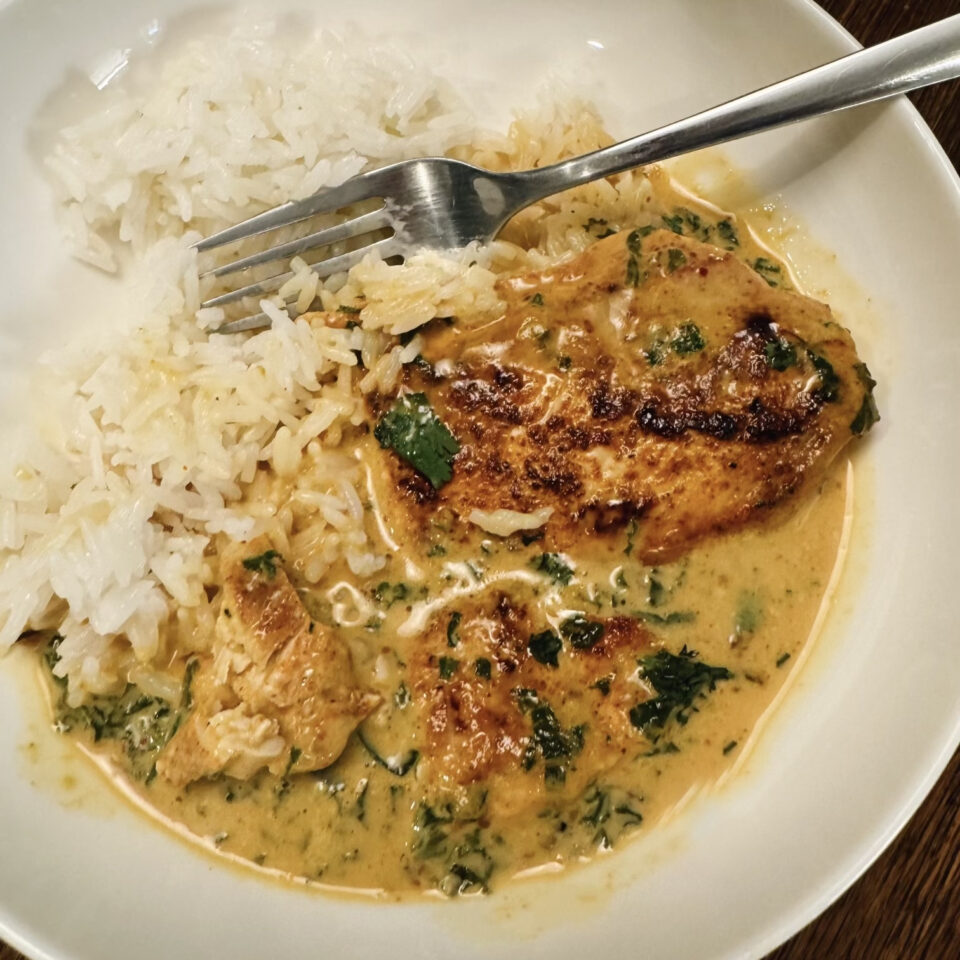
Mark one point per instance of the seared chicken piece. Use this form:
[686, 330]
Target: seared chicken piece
[653, 378]
[524, 730]
[280, 691]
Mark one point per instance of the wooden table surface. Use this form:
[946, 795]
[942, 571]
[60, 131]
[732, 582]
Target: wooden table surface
[907, 906]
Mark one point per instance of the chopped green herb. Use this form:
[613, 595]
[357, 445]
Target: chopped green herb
[780, 354]
[829, 389]
[143, 725]
[603, 685]
[728, 233]
[687, 339]
[401, 697]
[295, 754]
[598, 227]
[425, 366]
[692, 219]
[611, 812]
[632, 528]
[581, 632]
[635, 239]
[554, 566]
[537, 299]
[431, 840]
[662, 747]
[548, 739]
[767, 269]
[678, 680]
[448, 666]
[390, 593]
[654, 355]
[564, 362]
[730, 746]
[749, 614]
[186, 689]
[398, 766]
[634, 275]
[676, 258]
[782, 659]
[448, 835]
[656, 593]
[437, 550]
[481, 667]
[264, 563]
[453, 627]
[868, 414]
[544, 647]
[346, 308]
[674, 223]
[415, 433]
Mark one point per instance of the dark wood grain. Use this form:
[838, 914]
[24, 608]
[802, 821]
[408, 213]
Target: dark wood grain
[907, 906]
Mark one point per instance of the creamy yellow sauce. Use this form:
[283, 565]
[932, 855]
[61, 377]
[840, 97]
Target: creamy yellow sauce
[354, 824]
[746, 602]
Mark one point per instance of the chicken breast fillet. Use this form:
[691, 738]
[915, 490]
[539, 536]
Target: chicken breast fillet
[280, 690]
[654, 379]
[524, 729]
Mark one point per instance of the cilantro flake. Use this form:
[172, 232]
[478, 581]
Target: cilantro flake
[264, 563]
[415, 433]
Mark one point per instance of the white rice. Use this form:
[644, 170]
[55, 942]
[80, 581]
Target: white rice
[148, 452]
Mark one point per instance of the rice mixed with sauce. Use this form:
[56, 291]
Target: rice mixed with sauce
[176, 474]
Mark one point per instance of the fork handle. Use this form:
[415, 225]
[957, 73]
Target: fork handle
[917, 59]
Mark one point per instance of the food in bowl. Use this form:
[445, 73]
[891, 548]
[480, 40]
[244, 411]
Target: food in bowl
[476, 564]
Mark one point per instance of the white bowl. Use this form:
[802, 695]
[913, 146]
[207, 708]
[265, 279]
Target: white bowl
[875, 713]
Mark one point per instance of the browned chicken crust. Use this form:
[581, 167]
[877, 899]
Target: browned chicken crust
[280, 690]
[653, 378]
[479, 724]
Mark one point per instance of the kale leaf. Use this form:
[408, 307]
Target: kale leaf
[678, 680]
[141, 724]
[767, 269]
[829, 389]
[780, 354]
[688, 339]
[581, 632]
[548, 739]
[544, 647]
[398, 766]
[554, 566]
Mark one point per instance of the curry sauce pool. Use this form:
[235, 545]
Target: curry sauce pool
[475, 567]
[523, 687]
[744, 605]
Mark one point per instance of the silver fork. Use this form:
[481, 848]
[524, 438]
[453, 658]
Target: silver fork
[441, 204]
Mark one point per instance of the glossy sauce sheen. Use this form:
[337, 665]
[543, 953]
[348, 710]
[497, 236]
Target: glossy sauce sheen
[445, 786]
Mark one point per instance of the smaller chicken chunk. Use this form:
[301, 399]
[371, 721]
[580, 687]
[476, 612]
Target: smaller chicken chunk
[526, 712]
[280, 690]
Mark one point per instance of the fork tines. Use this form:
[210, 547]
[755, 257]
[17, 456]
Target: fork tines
[360, 188]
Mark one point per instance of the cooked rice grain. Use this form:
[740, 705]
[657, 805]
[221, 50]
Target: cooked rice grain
[148, 453]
